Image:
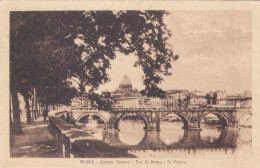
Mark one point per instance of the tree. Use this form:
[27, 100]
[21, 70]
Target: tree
[26, 95]
[38, 59]
[44, 54]
[103, 33]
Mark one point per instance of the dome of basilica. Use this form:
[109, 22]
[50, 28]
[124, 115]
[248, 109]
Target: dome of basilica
[125, 82]
[125, 85]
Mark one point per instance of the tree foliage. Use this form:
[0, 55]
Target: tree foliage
[103, 33]
[39, 59]
[44, 45]
[48, 48]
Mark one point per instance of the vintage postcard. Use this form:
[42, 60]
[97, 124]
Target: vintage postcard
[130, 84]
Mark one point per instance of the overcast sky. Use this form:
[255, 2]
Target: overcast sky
[214, 49]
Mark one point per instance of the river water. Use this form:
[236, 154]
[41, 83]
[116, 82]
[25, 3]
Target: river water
[173, 141]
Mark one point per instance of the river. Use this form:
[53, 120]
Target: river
[173, 141]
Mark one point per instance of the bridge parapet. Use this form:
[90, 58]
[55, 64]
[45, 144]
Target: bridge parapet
[226, 109]
[177, 109]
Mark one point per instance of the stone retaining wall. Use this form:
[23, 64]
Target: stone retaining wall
[74, 142]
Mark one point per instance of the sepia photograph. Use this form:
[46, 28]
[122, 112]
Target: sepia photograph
[126, 87]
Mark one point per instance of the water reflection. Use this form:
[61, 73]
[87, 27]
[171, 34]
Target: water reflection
[172, 137]
[127, 135]
[171, 132]
[210, 132]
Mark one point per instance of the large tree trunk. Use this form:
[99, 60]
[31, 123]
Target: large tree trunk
[33, 111]
[10, 110]
[40, 109]
[17, 127]
[34, 104]
[28, 111]
[37, 107]
[11, 123]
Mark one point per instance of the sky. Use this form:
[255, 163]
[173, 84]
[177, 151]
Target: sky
[215, 49]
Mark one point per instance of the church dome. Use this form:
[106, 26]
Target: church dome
[125, 81]
[125, 85]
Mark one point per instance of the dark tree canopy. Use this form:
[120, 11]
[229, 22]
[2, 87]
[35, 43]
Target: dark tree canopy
[39, 59]
[44, 54]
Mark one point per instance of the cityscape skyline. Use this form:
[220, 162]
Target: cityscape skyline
[216, 57]
[243, 92]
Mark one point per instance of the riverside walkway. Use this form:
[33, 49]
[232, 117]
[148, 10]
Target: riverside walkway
[36, 141]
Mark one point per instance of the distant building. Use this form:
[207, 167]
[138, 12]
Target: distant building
[198, 93]
[238, 100]
[125, 88]
[221, 94]
[81, 101]
[127, 102]
[173, 99]
[197, 100]
[156, 102]
[125, 96]
[106, 94]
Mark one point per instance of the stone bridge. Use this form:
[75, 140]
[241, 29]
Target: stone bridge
[191, 117]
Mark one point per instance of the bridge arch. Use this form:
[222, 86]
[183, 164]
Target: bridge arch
[243, 115]
[93, 114]
[142, 117]
[221, 116]
[183, 117]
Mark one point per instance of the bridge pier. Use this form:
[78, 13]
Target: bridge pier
[154, 122]
[194, 126]
[153, 126]
[112, 126]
